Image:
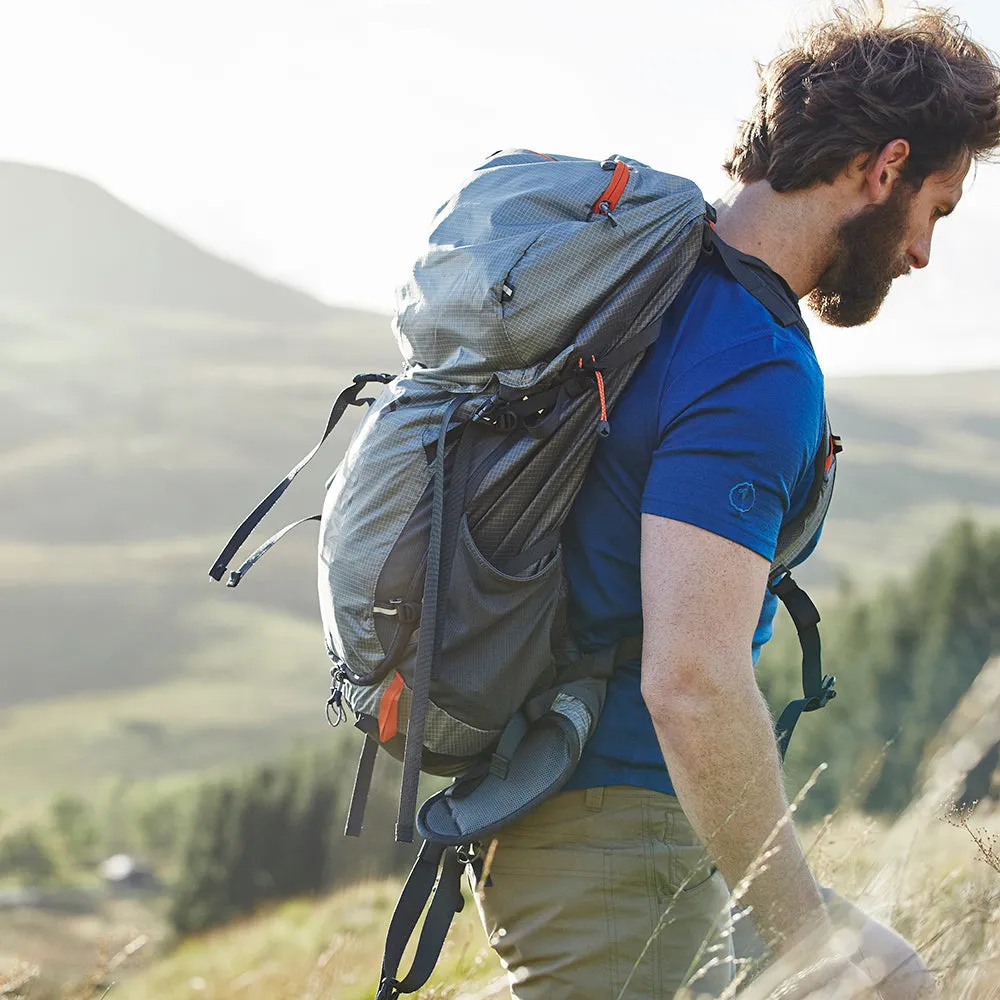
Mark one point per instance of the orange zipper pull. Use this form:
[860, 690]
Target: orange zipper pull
[603, 426]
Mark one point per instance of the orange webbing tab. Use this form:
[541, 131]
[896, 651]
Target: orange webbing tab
[388, 709]
[835, 449]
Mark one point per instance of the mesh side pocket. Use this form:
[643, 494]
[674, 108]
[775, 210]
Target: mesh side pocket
[497, 639]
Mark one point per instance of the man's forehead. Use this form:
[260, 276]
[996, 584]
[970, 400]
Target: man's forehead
[946, 185]
[951, 180]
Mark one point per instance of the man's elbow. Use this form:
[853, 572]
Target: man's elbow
[680, 692]
[685, 694]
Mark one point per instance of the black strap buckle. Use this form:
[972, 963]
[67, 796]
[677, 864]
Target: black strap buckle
[826, 693]
[496, 413]
[360, 381]
[388, 989]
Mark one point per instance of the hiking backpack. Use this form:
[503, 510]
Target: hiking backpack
[440, 570]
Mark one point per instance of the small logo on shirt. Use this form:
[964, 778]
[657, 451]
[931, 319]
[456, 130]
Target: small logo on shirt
[743, 496]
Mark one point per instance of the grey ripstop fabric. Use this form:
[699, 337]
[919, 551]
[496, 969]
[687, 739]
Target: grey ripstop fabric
[528, 289]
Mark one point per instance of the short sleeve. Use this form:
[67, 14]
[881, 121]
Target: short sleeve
[738, 434]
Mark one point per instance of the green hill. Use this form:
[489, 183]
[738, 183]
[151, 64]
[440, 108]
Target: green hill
[919, 451]
[68, 244]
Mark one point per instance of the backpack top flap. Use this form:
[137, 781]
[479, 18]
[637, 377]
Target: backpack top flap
[528, 252]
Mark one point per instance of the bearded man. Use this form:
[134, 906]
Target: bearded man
[859, 144]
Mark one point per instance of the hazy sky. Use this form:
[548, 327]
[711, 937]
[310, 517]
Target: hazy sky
[313, 139]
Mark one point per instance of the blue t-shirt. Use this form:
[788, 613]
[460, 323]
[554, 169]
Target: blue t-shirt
[719, 428]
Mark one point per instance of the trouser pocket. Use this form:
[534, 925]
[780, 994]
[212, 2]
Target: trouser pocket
[614, 919]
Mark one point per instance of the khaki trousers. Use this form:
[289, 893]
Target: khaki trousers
[606, 894]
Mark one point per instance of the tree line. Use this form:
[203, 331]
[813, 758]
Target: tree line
[223, 846]
[903, 657]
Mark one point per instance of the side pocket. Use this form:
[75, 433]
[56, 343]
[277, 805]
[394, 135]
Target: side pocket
[497, 635]
[547, 916]
[688, 870]
[695, 943]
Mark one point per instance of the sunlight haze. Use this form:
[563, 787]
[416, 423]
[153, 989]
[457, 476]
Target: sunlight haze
[313, 141]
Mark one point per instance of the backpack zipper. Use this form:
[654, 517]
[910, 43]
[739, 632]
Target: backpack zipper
[608, 201]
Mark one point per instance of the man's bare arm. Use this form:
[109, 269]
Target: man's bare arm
[701, 600]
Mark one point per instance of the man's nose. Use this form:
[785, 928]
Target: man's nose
[919, 253]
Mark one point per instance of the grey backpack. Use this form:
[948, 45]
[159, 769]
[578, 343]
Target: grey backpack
[440, 573]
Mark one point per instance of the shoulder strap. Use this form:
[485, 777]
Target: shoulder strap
[817, 689]
[764, 285]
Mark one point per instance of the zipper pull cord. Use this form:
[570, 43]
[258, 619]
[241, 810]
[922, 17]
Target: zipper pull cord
[603, 425]
[604, 208]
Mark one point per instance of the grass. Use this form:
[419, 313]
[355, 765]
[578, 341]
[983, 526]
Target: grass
[945, 897]
[254, 686]
[932, 874]
[306, 949]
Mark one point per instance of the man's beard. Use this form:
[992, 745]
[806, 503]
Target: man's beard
[867, 259]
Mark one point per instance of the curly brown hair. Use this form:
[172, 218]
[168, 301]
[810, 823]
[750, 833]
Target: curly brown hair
[851, 85]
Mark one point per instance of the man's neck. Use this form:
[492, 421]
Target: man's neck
[792, 233]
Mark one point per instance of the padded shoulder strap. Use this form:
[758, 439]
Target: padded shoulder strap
[817, 689]
[760, 281]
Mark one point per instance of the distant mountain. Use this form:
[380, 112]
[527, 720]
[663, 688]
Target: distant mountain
[66, 244]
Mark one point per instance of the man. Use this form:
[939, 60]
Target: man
[860, 142]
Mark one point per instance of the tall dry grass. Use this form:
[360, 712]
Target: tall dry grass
[933, 874]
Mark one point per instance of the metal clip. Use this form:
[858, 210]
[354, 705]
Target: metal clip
[335, 702]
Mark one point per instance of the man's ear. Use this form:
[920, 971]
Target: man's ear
[885, 169]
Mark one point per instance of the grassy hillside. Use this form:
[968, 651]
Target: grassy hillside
[942, 897]
[919, 451]
[332, 948]
[149, 393]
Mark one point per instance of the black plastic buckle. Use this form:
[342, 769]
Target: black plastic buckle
[826, 694]
[496, 413]
[780, 581]
[360, 381]
[388, 989]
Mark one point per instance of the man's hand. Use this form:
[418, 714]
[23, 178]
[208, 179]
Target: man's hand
[701, 600]
[834, 979]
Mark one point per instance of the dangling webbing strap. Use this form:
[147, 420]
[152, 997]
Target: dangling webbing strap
[251, 560]
[362, 786]
[440, 544]
[437, 870]
[817, 689]
[349, 397]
